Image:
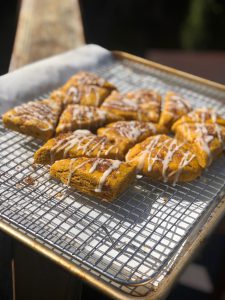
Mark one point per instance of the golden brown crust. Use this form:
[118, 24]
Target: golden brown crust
[76, 144]
[86, 89]
[142, 105]
[83, 117]
[174, 108]
[102, 178]
[208, 140]
[200, 115]
[128, 133]
[163, 158]
[34, 118]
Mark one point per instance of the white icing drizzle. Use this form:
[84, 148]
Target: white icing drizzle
[204, 139]
[74, 93]
[81, 114]
[172, 147]
[84, 84]
[147, 152]
[114, 165]
[132, 130]
[184, 162]
[178, 102]
[203, 135]
[121, 103]
[94, 89]
[133, 101]
[111, 166]
[201, 115]
[85, 141]
[70, 171]
[46, 112]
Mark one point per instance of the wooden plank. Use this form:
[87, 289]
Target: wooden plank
[45, 28]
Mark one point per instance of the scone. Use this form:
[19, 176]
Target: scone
[86, 89]
[128, 133]
[200, 115]
[76, 144]
[163, 158]
[83, 117]
[142, 105]
[103, 178]
[174, 108]
[208, 140]
[34, 118]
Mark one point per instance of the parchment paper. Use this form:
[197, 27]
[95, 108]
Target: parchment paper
[42, 76]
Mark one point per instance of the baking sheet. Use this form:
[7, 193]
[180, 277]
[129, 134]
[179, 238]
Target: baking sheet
[137, 236]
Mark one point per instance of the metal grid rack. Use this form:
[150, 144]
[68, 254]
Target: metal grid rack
[133, 240]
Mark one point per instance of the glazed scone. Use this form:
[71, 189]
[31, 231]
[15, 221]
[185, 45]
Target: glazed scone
[200, 115]
[86, 89]
[76, 144]
[83, 117]
[103, 178]
[208, 140]
[142, 105]
[163, 158]
[129, 133]
[174, 108]
[34, 118]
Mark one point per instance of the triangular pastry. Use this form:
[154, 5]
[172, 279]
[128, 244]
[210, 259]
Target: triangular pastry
[207, 139]
[175, 106]
[76, 144]
[200, 115]
[142, 105]
[130, 132]
[85, 88]
[103, 178]
[163, 158]
[83, 117]
[34, 118]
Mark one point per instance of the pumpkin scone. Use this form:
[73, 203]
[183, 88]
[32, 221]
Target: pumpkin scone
[142, 105]
[34, 118]
[166, 159]
[76, 144]
[128, 133]
[200, 115]
[174, 108]
[207, 139]
[86, 89]
[83, 117]
[103, 178]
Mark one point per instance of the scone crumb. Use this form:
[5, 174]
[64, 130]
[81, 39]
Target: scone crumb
[29, 180]
[59, 195]
[34, 166]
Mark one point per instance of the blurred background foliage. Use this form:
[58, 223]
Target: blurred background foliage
[137, 25]
[204, 25]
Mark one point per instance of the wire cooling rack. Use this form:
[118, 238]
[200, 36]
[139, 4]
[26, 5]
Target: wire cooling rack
[133, 240]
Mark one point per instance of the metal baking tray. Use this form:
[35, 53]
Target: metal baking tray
[128, 247]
